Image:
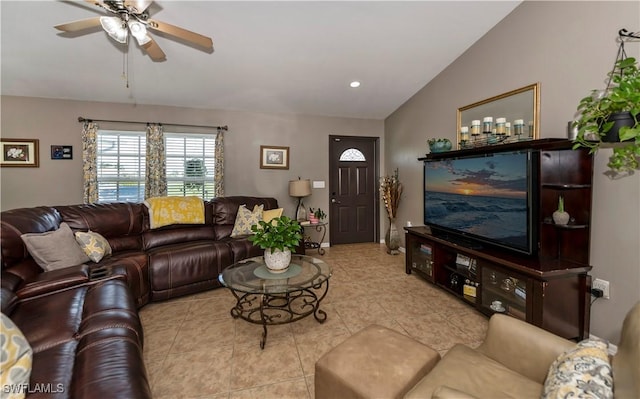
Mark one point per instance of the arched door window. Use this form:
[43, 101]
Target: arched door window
[352, 155]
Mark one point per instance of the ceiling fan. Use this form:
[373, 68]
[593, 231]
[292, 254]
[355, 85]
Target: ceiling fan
[130, 18]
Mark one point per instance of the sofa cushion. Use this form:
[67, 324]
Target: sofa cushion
[467, 370]
[134, 267]
[245, 219]
[271, 214]
[87, 342]
[176, 234]
[165, 211]
[16, 358]
[16, 222]
[55, 249]
[225, 209]
[242, 248]
[181, 269]
[121, 223]
[582, 372]
[93, 244]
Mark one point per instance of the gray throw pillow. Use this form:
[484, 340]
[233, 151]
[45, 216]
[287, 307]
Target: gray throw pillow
[55, 249]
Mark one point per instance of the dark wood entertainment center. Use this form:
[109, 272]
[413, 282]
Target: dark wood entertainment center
[550, 289]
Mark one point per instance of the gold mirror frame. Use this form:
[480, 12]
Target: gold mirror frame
[511, 105]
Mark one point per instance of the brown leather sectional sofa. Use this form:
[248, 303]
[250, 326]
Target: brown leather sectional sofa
[82, 321]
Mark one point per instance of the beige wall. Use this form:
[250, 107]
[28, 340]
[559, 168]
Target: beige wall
[568, 47]
[58, 182]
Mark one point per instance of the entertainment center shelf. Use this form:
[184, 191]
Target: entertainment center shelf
[548, 287]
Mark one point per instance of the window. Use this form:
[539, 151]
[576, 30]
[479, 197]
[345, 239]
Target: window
[121, 166]
[352, 154]
[190, 160]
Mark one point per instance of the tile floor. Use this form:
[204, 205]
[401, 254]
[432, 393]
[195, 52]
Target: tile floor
[195, 349]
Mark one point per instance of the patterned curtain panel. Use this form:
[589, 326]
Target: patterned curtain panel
[218, 176]
[156, 173]
[89, 162]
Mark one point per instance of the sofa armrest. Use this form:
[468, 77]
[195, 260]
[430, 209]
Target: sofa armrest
[54, 280]
[522, 347]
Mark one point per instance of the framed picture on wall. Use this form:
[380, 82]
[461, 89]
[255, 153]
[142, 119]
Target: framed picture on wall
[61, 152]
[19, 152]
[272, 157]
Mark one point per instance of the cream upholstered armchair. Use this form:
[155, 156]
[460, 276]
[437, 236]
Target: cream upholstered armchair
[516, 360]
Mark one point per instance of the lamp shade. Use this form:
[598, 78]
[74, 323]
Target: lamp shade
[300, 188]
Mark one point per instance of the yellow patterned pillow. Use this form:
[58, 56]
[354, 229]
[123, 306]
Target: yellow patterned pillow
[15, 360]
[94, 245]
[271, 213]
[245, 219]
[164, 211]
[581, 372]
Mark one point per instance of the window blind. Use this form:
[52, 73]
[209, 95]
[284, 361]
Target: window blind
[121, 166]
[190, 163]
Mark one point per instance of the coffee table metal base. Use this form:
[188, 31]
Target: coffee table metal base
[274, 309]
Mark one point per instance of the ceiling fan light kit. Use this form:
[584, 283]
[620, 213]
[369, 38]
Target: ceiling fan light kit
[131, 17]
[139, 31]
[115, 28]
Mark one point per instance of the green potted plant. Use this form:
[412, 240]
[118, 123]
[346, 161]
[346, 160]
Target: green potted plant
[277, 237]
[319, 214]
[613, 115]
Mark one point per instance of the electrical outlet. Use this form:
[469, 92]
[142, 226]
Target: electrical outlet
[601, 285]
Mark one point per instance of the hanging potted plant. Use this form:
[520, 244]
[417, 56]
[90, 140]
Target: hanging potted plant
[613, 114]
[277, 237]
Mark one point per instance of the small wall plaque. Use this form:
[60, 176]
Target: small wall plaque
[61, 152]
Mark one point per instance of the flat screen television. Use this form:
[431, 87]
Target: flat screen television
[483, 199]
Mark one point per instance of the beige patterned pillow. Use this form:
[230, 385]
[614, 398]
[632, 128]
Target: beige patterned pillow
[93, 244]
[16, 357]
[55, 249]
[245, 219]
[581, 372]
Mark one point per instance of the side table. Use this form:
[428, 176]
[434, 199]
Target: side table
[320, 227]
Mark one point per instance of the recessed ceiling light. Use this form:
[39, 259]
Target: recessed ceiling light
[354, 84]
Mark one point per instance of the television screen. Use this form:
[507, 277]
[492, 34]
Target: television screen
[485, 198]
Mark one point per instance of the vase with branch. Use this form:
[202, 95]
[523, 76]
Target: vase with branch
[391, 191]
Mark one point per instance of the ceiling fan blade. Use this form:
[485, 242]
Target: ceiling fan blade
[79, 25]
[154, 51]
[137, 6]
[99, 3]
[191, 37]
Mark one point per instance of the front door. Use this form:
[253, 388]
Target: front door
[353, 189]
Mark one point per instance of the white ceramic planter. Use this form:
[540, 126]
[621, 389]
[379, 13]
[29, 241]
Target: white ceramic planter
[277, 261]
[560, 217]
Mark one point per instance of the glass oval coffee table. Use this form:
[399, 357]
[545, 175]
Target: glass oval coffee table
[267, 298]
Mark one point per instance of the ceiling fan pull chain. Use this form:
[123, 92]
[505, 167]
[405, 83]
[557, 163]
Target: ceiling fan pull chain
[125, 65]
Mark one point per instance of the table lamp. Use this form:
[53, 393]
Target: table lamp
[300, 188]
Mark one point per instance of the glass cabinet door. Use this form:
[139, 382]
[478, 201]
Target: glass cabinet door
[422, 258]
[503, 292]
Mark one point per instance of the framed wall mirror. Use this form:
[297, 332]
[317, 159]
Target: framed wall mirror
[520, 108]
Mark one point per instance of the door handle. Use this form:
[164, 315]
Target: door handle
[334, 201]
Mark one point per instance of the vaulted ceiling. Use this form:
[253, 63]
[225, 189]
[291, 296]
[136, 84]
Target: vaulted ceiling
[276, 57]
